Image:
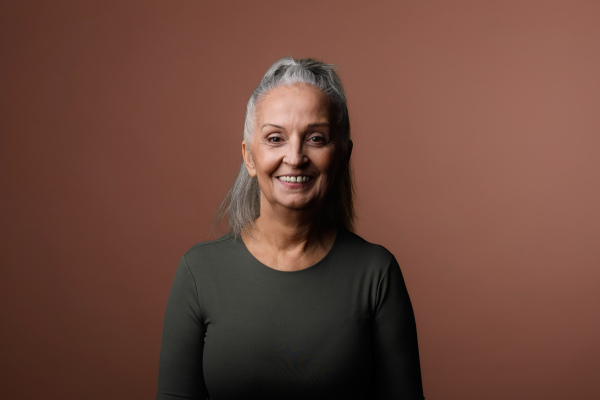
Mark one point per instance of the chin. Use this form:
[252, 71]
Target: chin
[307, 205]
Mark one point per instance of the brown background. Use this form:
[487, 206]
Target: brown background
[477, 139]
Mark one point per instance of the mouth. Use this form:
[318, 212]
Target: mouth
[294, 179]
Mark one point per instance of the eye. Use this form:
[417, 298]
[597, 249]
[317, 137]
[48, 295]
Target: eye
[317, 139]
[274, 139]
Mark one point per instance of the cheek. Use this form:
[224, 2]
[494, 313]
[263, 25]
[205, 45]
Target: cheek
[327, 161]
[265, 162]
[332, 167]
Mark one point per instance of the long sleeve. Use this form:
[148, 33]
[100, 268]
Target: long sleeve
[180, 370]
[397, 369]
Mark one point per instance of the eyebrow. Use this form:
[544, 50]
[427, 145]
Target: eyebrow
[316, 124]
[273, 125]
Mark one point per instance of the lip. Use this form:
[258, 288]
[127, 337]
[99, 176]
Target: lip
[277, 176]
[295, 185]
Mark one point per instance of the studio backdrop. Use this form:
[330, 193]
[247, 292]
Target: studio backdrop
[476, 138]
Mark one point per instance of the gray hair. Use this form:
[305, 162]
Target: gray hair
[242, 203]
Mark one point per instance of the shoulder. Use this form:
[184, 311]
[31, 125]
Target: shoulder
[355, 244]
[360, 251]
[213, 252]
[210, 245]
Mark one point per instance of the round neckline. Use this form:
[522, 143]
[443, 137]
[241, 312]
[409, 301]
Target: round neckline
[311, 267]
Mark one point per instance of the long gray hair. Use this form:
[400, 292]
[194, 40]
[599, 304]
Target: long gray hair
[242, 203]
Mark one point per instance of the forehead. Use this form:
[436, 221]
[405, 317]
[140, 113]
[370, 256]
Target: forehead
[295, 101]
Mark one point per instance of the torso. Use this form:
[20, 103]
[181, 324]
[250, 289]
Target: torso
[276, 334]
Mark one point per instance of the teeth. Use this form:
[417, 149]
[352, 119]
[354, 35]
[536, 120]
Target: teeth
[294, 179]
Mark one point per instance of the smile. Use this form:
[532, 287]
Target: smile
[294, 179]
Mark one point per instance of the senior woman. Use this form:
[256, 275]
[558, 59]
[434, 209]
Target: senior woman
[291, 304]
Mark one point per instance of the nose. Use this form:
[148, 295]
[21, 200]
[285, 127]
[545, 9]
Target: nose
[295, 155]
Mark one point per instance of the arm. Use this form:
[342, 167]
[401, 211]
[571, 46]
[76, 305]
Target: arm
[396, 353]
[180, 374]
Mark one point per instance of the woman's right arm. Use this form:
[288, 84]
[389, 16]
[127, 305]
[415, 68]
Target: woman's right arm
[180, 374]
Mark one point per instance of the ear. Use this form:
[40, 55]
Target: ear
[350, 146]
[346, 160]
[248, 161]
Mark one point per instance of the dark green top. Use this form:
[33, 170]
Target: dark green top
[340, 329]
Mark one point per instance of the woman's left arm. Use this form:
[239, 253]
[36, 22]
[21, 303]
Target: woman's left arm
[397, 367]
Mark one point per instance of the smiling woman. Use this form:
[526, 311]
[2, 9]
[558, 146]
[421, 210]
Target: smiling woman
[291, 304]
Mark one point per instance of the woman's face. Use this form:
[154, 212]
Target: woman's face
[293, 148]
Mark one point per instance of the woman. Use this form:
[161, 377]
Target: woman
[291, 304]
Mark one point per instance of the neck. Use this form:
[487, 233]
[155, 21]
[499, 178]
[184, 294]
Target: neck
[292, 229]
